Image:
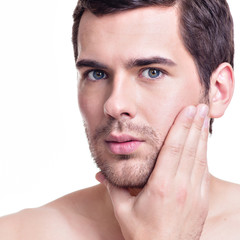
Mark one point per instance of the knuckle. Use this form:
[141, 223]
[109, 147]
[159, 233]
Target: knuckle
[198, 125]
[181, 195]
[190, 151]
[174, 149]
[160, 189]
[201, 161]
[120, 209]
[186, 126]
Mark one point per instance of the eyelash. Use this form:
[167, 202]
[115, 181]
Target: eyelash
[162, 73]
[86, 74]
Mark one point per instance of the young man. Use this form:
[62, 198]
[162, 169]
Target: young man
[151, 75]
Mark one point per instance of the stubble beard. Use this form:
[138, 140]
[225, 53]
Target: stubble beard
[125, 171]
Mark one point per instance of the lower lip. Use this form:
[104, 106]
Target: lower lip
[123, 147]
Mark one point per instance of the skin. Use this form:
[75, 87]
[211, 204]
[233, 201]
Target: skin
[128, 94]
[181, 200]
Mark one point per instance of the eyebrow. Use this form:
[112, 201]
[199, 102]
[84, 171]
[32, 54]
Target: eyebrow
[90, 63]
[138, 62]
[148, 61]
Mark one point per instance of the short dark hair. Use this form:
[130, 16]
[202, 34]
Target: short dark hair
[206, 28]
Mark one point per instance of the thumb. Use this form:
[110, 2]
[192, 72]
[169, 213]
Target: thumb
[121, 198]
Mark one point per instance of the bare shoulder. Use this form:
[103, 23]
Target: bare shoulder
[231, 197]
[29, 224]
[224, 213]
[70, 217]
[233, 201]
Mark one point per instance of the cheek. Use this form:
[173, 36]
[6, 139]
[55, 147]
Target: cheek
[163, 109]
[83, 106]
[90, 109]
[162, 114]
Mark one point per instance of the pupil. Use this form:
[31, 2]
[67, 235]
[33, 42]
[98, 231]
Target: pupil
[154, 73]
[98, 74]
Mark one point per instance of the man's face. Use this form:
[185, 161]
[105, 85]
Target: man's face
[135, 76]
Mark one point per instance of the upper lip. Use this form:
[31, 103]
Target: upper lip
[121, 138]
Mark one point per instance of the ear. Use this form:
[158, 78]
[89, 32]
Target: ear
[221, 90]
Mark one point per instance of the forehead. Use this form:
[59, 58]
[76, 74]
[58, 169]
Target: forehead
[133, 33]
[130, 20]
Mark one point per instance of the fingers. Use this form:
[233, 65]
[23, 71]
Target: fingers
[200, 164]
[170, 154]
[185, 147]
[120, 197]
[183, 155]
[195, 140]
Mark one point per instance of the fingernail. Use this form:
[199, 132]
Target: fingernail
[191, 111]
[203, 111]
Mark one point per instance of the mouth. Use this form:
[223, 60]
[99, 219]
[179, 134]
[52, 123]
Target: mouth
[123, 144]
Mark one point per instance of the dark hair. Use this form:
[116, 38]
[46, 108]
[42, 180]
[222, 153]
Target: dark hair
[206, 27]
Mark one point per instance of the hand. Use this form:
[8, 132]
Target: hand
[173, 205]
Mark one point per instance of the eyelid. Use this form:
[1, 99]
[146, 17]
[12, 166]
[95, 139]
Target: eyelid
[86, 73]
[156, 68]
[164, 72]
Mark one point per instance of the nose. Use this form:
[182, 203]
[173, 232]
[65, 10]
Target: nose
[121, 102]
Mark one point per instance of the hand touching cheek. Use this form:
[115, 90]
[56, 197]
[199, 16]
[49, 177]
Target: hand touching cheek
[174, 203]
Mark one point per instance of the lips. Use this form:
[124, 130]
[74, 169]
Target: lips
[123, 144]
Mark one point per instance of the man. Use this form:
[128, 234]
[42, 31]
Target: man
[151, 75]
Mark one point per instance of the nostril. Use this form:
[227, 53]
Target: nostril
[117, 107]
[125, 113]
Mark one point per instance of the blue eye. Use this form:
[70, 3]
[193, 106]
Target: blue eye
[152, 73]
[96, 75]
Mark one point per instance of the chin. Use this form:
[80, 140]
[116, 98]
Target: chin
[128, 171]
[131, 170]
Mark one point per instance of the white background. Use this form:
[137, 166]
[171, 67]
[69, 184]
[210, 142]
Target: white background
[43, 150]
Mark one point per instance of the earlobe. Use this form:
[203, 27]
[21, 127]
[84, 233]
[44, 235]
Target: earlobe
[221, 90]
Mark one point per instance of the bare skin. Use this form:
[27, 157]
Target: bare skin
[181, 200]
[88, 214]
